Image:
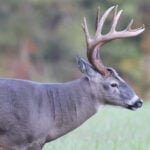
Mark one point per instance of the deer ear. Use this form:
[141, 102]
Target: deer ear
[85, 67]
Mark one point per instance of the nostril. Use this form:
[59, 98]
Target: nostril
[139, 104]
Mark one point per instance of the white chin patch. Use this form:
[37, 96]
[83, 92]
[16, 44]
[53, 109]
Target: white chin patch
[99, 107]
[133, 108]
[133, 100]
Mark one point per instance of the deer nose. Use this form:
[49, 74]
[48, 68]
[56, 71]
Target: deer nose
[138, 103]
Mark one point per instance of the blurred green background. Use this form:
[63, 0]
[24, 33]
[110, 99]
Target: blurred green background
[39, 40]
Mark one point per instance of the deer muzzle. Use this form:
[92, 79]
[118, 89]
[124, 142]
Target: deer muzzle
[138, 103]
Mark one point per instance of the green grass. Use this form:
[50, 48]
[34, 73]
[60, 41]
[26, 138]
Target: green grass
[112, 128]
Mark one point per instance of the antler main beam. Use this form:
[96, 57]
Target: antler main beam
[99, 39]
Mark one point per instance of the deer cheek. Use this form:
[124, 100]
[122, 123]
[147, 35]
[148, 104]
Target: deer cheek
[106, 87]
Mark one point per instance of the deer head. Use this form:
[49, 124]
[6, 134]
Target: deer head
[107, 85]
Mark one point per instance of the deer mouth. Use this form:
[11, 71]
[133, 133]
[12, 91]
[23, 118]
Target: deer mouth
[136, 105]
[132, 107]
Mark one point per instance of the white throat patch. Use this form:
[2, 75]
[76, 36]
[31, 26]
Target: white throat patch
[99, 107]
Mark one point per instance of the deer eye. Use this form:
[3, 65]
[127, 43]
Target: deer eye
[114, 85]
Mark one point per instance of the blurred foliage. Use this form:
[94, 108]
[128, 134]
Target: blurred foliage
[39, 40]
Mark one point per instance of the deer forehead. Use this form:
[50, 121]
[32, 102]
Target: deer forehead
[115, 76]
[115, 79]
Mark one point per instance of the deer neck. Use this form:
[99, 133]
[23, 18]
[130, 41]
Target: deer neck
[72, 104]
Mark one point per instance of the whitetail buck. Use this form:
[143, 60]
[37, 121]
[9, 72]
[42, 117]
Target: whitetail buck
[33, 113]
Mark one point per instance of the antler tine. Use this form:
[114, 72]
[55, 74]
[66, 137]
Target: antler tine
[134, 31]
[102, 21]
[96, 26]
[97, 18]
[116, 19]
[129, 25]
[86, 31]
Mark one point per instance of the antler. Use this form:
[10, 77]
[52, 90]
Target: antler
[99, 40]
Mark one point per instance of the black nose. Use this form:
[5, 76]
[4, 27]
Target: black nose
[138, 103]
